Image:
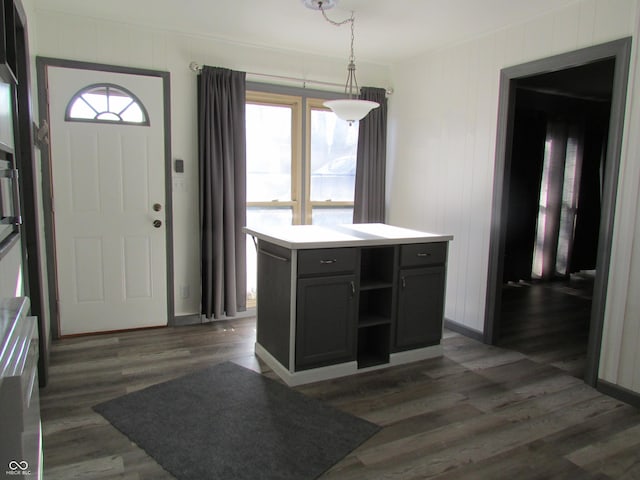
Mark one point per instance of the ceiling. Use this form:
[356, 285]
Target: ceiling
[386, 31]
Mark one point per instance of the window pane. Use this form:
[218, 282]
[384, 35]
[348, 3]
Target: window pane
[261, 217]
[97, 100]
[80, 109]
[269, 216]
[133, 113]
[268, 153]
[106, 103]
[333, 157]
[331, 216]
[112, 117]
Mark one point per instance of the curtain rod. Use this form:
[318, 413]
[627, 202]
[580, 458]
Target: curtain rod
[196, 67]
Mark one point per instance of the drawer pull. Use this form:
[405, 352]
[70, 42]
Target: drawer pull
[328, 262]
[422, 254]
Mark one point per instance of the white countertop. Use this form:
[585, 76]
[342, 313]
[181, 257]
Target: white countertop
[297, 237]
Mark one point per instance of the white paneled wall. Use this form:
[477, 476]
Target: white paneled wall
[441, 161]
[94, 40]
[620, 359]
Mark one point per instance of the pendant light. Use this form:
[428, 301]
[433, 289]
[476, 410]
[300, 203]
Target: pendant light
[352, 108]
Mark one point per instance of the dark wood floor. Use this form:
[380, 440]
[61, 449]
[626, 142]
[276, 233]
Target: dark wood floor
[478, 412]
[549, 322]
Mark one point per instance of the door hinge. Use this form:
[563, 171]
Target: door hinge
[41, 134]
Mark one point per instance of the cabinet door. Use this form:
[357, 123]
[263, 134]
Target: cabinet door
[420, 307]
[326, 321]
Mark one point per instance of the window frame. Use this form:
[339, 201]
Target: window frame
[87, 89]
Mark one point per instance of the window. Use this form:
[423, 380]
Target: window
[273, 159]
[332, 146]
[106, 103]
[300, 172]
[301, 165]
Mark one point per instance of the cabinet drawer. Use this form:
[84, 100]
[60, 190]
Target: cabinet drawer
[417, 254]
[327, 260]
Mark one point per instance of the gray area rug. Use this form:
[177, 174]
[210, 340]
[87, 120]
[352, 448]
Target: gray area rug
[228, 422]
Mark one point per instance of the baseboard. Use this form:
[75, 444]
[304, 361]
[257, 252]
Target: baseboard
[463, 330]
[184, 320]
[618, 392]
[197, 319]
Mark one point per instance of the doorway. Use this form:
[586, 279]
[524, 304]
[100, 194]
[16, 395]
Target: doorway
[109, 230]
[550, 245]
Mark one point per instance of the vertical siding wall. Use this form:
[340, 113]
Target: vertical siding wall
[93, 40]
[441, 159]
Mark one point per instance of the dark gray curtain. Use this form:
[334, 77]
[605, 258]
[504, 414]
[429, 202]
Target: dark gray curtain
[372, 158]
[222, 161]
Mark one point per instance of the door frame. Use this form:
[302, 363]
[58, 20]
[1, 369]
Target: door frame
[42, 63]
[620, 50]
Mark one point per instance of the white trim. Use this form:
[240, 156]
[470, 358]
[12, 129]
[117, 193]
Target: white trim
[293, 378]
[416, 355]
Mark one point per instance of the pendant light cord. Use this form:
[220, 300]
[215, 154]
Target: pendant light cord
[351, 68]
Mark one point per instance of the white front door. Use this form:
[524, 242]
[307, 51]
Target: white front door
[108, 182]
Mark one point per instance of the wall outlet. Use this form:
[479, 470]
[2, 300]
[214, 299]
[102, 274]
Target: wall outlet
[185, 291]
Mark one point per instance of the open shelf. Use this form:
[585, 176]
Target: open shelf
[375, 304]
[373, 345]
[376, 266]
[372, 319]
[374, 284]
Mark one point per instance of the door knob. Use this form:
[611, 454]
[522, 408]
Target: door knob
[157, 207]
[157, 223]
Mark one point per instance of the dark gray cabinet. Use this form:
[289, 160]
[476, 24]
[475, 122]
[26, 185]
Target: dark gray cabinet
[420, 287]
[420, 307]
[325, 321]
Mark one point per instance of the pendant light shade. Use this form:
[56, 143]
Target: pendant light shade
[351, 110]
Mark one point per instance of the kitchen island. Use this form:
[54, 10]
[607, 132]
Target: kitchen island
[338, 300]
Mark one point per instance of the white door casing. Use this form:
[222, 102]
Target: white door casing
[111, 259]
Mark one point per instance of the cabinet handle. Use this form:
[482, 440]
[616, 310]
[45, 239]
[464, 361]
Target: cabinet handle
[273, 255]
[353, 288]
[328, 262]
[404, 282]
[421, 254]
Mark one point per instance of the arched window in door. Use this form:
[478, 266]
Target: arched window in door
[106, 103]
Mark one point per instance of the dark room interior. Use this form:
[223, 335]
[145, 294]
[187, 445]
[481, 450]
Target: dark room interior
[555, 186]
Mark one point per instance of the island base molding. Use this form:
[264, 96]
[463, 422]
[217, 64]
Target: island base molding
[343, 369]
